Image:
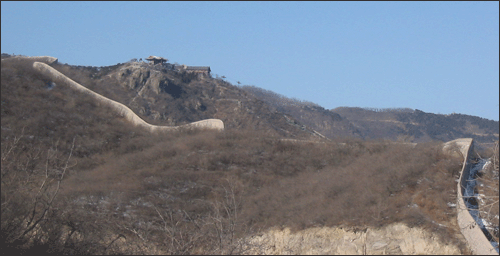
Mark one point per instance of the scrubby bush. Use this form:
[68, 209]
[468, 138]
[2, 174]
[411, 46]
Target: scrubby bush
[192, 191]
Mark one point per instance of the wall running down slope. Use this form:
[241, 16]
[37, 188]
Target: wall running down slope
[475, 237]
[45, 59]
[477, 241]
[123, 110]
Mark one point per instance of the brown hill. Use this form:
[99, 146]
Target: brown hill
[418, 126]
[78, 179]
[396, 124]
[163, 96]
[328, 123]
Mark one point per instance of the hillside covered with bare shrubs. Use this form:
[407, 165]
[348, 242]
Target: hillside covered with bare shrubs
[210, 189]
[396, 124]
[77, 179]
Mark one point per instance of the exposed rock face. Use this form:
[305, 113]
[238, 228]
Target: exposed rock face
[135, 76]
[164, 96]
[120, 108]
[393, 239]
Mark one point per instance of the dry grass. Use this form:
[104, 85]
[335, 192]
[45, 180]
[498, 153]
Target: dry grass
[196, 191]
[278, 183]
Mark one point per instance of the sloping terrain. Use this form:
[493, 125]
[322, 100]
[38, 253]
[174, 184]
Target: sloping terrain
[328, 123]
[119, 108]
[403, 124]
[418, 126]
[162, 96]
[77, 178]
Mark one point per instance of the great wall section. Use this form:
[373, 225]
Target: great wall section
[122, 110]
[332, 240]
[476, 239]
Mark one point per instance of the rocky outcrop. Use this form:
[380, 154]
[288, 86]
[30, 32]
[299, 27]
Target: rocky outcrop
[121, 109]
[393, 239]
[135, 75]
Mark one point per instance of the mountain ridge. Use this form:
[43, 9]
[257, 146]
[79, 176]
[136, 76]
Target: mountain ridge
[396, 124]
[163, 96]
[120, 180]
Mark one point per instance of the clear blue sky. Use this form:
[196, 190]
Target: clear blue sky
[438, 57]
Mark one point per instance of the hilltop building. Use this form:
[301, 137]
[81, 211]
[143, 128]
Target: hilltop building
[156, 60]
[202, 70]
[199, 70]
[194, 69]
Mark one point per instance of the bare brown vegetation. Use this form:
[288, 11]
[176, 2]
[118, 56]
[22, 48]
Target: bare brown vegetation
[78, 180]
[204, 190]
[488, 189]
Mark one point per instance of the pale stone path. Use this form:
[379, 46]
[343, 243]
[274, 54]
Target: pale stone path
[472, 232]
[477, 241]
[122, 110]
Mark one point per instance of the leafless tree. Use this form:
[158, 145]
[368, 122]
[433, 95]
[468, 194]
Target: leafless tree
[226, 224]
[30, 185]
[179, 238]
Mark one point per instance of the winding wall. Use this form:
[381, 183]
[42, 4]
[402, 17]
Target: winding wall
[475, 237]
[477, 241]
[122, 110]
[44, 59]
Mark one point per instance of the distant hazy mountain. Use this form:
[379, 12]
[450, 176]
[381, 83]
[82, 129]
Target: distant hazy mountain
[398, 124]
[418, 126]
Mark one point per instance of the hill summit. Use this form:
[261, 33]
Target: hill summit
[79, 178]
[165, 94]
